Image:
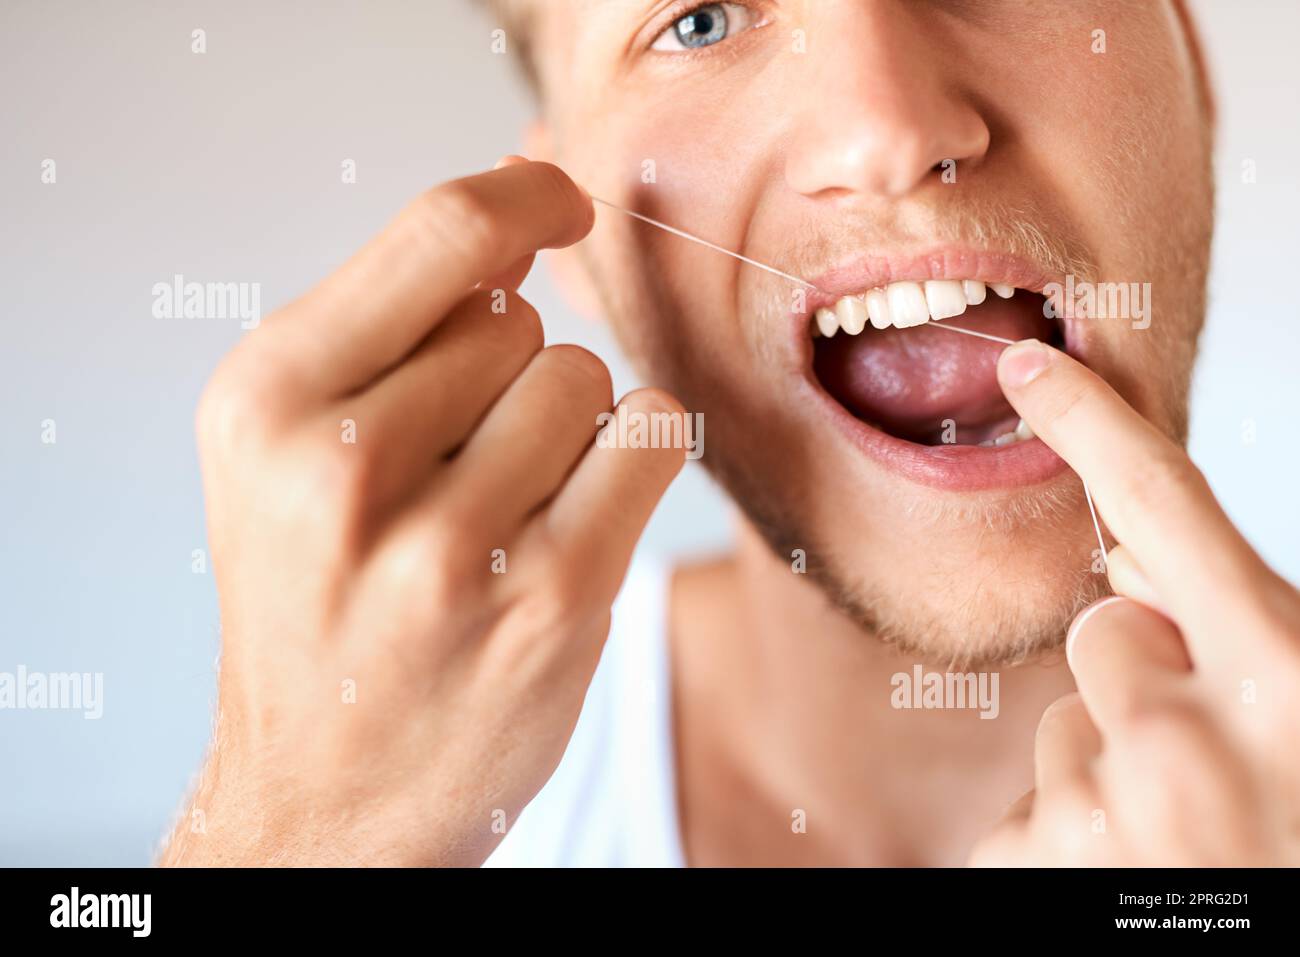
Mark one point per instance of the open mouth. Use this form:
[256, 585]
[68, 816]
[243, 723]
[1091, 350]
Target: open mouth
[926, 399]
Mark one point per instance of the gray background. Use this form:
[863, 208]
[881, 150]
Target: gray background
[226, 167]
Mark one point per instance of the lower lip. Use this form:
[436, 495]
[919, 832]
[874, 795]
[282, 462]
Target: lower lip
[957, 468]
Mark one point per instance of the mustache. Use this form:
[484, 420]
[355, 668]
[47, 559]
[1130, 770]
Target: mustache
[1021, 228]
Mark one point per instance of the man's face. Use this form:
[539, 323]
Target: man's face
[861, 143]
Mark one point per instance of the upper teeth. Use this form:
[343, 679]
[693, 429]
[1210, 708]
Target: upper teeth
[905, 304]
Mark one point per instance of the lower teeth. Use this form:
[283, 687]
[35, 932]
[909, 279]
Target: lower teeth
[1021, 433]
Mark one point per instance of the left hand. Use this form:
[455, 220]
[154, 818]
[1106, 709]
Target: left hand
[1182, 745]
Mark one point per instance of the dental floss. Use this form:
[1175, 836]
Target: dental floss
[1092, 508]
[970, 332]
[704, 242]
[1105, 557]
[763, 266]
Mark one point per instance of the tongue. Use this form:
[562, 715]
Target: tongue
[908, 381]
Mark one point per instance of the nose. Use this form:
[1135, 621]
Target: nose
[882, 112]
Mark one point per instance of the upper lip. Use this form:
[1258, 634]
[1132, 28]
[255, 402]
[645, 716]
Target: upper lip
[857, 274]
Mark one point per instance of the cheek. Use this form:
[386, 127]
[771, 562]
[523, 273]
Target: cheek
[692, 153]
[683, 138]
[1117, 133]
[698, 161]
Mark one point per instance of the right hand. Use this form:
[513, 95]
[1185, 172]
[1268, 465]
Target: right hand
[386, 696]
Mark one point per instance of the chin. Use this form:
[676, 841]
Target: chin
[992, 611]
[958, 581]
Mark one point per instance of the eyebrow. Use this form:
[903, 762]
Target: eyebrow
[614, 7]
[591, 4]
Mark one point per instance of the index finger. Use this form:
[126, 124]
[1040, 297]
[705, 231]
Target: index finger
[1152, 497]
[380, 304]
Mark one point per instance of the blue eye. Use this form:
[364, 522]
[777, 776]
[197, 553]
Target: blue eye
[703, 27]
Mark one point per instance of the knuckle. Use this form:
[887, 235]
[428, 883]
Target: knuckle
[237, 405]
[448, 540]
[451, 218]
[1069, 810]
[585, 368]
[440, 556]
[1073, 802]
[1063, 401]
[1158, 480]
[652, 400]
[1069, 819]
[1060, 710]
[558, 600]
[1163, 732]
[525, 323]
[680, 434]
[340, 479]
[519, 324]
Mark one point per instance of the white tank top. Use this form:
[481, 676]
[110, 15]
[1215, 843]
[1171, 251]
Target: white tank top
[612, 801]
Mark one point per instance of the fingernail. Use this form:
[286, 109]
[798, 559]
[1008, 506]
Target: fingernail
[1022, 363]
[1078, 623]
[509, 160]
